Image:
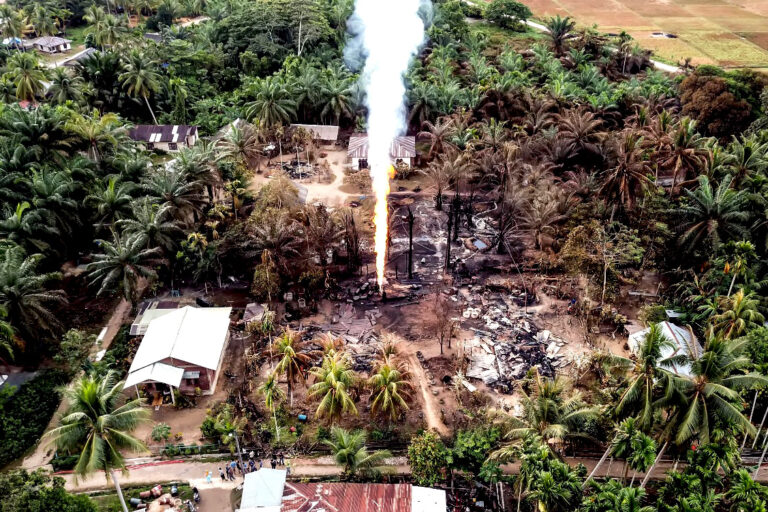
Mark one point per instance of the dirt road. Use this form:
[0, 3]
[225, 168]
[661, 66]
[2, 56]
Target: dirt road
[431, 408]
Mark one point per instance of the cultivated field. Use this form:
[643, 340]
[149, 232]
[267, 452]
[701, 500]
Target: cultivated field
[731, 33]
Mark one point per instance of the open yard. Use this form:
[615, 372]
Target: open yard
[730, 33]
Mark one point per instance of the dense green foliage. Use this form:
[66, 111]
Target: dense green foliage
[25, 413]
[21, 491]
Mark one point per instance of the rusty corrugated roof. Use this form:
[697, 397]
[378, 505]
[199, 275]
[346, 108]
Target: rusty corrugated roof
[344, 497]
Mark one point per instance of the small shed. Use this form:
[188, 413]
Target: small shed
[683, 342]
[165, 137]
[52, 44]
[320, 132]
[403, 149]
[263, 491]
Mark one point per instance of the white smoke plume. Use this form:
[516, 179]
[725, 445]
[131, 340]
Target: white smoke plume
[387, 34]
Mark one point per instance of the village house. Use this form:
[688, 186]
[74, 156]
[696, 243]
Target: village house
[51, 44]
[403, 150]
[165, 137]
[267, 490]
[323, 133]
[181, 349]
[683, 342]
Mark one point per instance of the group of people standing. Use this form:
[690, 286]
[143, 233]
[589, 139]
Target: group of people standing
[254, 464]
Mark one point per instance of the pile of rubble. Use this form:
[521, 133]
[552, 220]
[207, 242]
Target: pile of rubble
[299, 170]
[507, 342]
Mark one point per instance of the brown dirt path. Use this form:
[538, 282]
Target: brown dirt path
[431, 408]
[43, 451]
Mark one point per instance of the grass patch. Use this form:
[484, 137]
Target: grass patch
[499, 36]
[109, 502]
[77, 35]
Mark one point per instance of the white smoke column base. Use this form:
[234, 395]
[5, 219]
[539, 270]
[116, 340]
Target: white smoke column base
[389, 33]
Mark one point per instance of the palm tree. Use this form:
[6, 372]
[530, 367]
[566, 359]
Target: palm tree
[629, 176]
[112, 202]
[349, 451]
[25, 295]
[443, 171]
[390, 391]
[713, 216]
[28, 228]
[746, 157]
[337, 95]
[292, 358]
[229, 427]
[139, 78]
[242, 144]
[422, 97]
[175, 189]
[52, 199]
[152, 225]
[686, 151]
[108, 30]
[280, 235]
[100, 131]
[580, 130]
[649, 372]
[66, 87]
[6, 335]
[11, 24]
[334, 380]
[740, 314]
[559, 30]
[121, 265]
[42, 21]
[27, 75]
[98, 427]
[272, 396]
[305, 89]
[550, 415]
[438, 133]
[273, 102]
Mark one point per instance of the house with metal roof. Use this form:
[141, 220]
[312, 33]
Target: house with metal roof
[165, 137]
[320, 132]
[403, 149]
[52, 44]
[182, 349]
[683, 342]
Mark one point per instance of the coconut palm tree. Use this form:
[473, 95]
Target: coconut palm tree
[121, 265]
[390, 391]
[27, 76]
[438, 134]
[11, 24]
[334, 381]
[686, 151]
[66, 87]
[551, 415]
[112, 202]
[152, 225]
[280, 235]
[292, 357]
[559, 30]
[740, 314]
[746, 157]
[350, 453]
[273, 102]
[26, 295]
[98, 427]
[272, 396]
[712, 216]
[140, 78]
[650, 373]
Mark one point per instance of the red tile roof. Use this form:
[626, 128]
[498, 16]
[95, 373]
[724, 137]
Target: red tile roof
[343, 497]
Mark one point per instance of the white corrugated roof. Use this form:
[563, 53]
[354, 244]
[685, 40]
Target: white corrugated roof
[424, 499]
[192, 335]
[158, 372]
[263, 490]
[684, 343]
[320, 131]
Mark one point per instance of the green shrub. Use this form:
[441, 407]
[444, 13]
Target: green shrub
[25, 414]
[208, 428]
[161, 432]
[64, 463]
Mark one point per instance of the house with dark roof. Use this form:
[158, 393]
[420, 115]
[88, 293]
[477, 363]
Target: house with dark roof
[52, 44]
[403, 149]
[165, 137]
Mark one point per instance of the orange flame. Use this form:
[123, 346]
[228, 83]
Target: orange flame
[381, 176]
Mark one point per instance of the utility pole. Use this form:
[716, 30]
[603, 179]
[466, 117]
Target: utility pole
[410, 219]
[239, 452]
[456, 210]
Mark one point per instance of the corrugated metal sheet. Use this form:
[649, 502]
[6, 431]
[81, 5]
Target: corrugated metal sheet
[343, 497]
[320, 131]
[402, 147]
[161, 133]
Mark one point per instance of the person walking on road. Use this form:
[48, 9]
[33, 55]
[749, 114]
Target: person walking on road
[281, 457]
[273, 462]
[221, 473]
